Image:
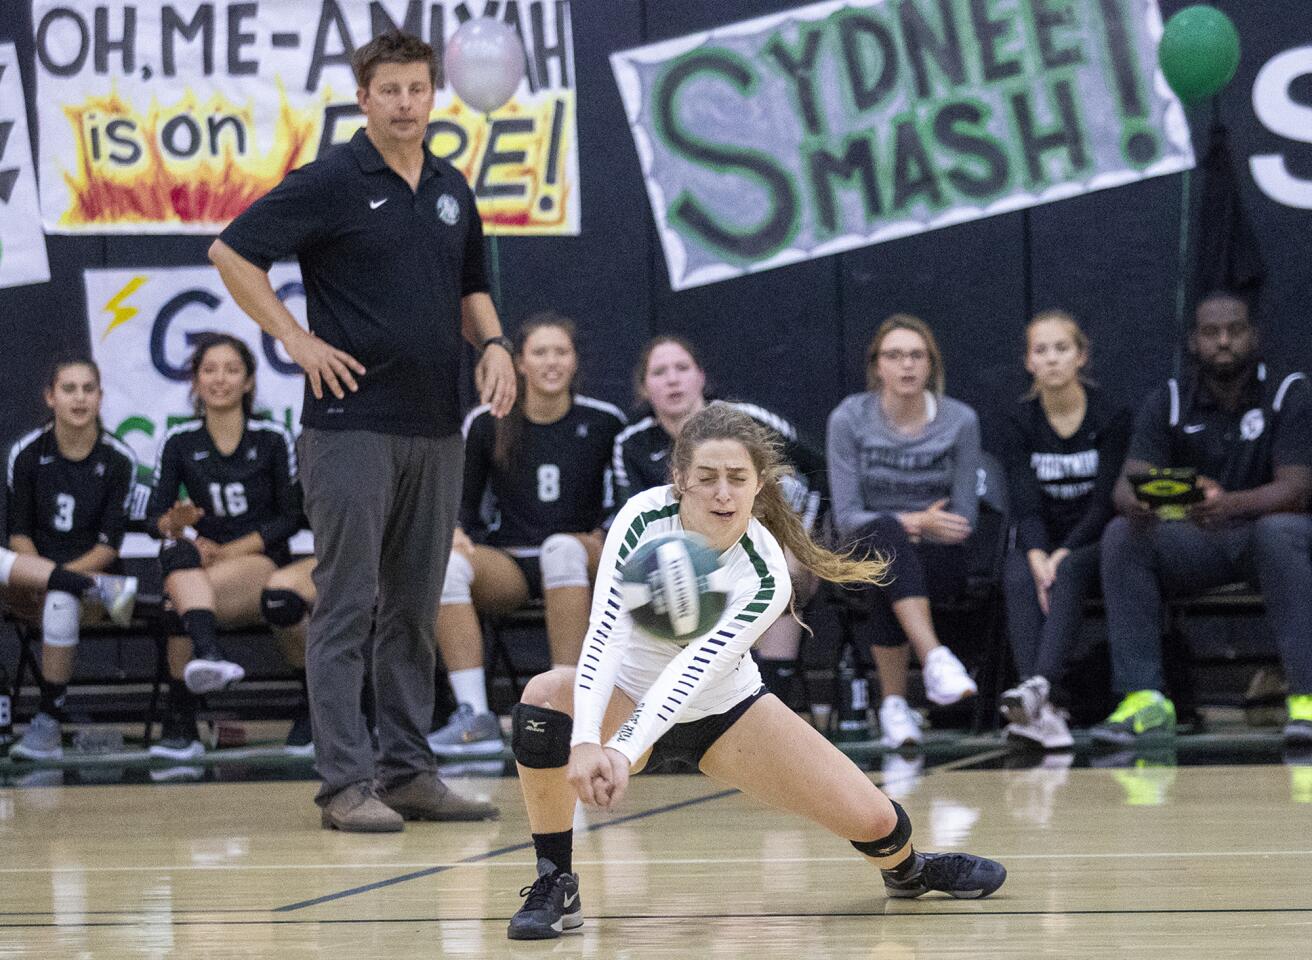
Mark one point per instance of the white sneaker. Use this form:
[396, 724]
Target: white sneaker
[210, 676]
[946, 680]
[1022, 704]
[899, 725]
[1049, 731]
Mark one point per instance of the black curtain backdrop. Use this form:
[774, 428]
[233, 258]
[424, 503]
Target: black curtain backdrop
[792, 339]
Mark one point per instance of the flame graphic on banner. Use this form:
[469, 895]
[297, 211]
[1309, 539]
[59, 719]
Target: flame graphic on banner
[158, 188]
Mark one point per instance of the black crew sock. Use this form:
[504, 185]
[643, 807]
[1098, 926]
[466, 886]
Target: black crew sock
[69, 582]
[203, 628]
[182, 701]
[778, 677]
[53, 696]
[906, 869]
[556, 847]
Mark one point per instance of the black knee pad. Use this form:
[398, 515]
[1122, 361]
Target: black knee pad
[539, 737]
[891, 844]
[179, 555]
[282, 608]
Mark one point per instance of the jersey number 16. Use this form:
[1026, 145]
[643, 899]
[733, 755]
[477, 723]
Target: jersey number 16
[229, 500]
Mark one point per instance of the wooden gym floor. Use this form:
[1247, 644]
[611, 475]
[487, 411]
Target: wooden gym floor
[1146, 859]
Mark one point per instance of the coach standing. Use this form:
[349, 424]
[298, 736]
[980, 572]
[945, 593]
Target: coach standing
[391, 252]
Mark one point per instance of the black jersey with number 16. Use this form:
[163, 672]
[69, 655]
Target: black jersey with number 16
[250, 490]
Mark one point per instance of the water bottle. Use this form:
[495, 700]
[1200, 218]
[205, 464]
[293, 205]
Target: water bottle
[853, 699]
[98, 740]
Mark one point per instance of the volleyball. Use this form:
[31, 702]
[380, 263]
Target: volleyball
[673, 587]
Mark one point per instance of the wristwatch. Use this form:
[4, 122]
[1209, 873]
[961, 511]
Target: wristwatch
[500, 340]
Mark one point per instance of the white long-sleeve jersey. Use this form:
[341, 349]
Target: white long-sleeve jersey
[673, 683]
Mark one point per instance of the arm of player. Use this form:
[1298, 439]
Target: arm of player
[609, 630]
[22, 499]
[753, 608]
[843, 454]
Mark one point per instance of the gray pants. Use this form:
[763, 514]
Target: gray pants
[1141, 564]
[382, 509]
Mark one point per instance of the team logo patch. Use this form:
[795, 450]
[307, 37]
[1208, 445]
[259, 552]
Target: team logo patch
[1251, 427]
[448, 209]
[582, 430]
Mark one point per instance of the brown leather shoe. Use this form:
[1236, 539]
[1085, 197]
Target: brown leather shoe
[426, 797]
[357, 810]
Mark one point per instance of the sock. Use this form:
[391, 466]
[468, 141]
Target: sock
[556, 847]
[182, 702]
[53, 696]
[470, 686]
[905, 870]
[778, 676]
[203, 628]
[69, 582]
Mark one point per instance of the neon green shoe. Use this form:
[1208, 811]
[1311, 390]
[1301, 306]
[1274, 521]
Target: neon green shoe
[1298, 731]
[1144, 715]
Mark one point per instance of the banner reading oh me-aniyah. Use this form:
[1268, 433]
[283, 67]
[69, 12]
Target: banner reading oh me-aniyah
[839, 125]
[174, 116]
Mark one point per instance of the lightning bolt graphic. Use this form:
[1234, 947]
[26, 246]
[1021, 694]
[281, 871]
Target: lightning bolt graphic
[122, 314]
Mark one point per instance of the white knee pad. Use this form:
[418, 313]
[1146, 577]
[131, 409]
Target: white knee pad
[7, 558]
[59, 619]
[459, 576]
[564, 562]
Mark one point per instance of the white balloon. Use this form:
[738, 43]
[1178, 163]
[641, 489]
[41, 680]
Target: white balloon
[485, 63]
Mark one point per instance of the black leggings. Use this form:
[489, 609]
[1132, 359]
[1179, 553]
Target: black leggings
[936, 571]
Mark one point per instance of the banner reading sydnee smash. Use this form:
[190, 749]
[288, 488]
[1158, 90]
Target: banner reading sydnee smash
[172, 117]
[843, 124]
[143, 325]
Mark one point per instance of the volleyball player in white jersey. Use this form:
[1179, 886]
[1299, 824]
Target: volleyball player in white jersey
[638, 702]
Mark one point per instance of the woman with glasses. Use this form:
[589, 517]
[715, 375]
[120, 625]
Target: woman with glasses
[903, 462]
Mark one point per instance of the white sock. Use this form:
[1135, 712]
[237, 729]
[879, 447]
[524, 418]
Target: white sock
[470, 686]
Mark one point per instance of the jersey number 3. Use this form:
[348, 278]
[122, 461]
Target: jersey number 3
[229, 500]
[548, 483]
[64, 504]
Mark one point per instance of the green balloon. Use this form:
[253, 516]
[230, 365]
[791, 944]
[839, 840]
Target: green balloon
[1199, 52]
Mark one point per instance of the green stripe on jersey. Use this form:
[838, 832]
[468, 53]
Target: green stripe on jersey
[639, 524]
[765, 595]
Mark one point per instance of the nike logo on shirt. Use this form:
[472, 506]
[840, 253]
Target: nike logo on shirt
[375, 204]
[47, 459]
[200, 455]
[1194, 428]
[659, 455]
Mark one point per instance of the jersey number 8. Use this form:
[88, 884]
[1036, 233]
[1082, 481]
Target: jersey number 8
[548, 483]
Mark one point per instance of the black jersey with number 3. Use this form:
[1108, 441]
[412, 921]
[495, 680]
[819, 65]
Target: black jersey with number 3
[558, 480]
[67, 506]
[251, 490]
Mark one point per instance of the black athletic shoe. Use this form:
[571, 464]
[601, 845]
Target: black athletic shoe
[959, 875]
[551, 905]
[179, 740]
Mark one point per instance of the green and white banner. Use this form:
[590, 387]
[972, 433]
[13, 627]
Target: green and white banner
[22, 241]
[844, 124]
[143, 325]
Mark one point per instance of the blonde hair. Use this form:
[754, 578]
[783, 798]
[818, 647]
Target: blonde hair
[1080, 338]
[905, 321]
[720, 421]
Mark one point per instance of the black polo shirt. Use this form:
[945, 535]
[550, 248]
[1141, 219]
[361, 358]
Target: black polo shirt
[1181, 425]
[385, 268]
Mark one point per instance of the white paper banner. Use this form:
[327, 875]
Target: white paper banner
[174, 117]
[22, 244]
[844, 124]
[143, 324]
